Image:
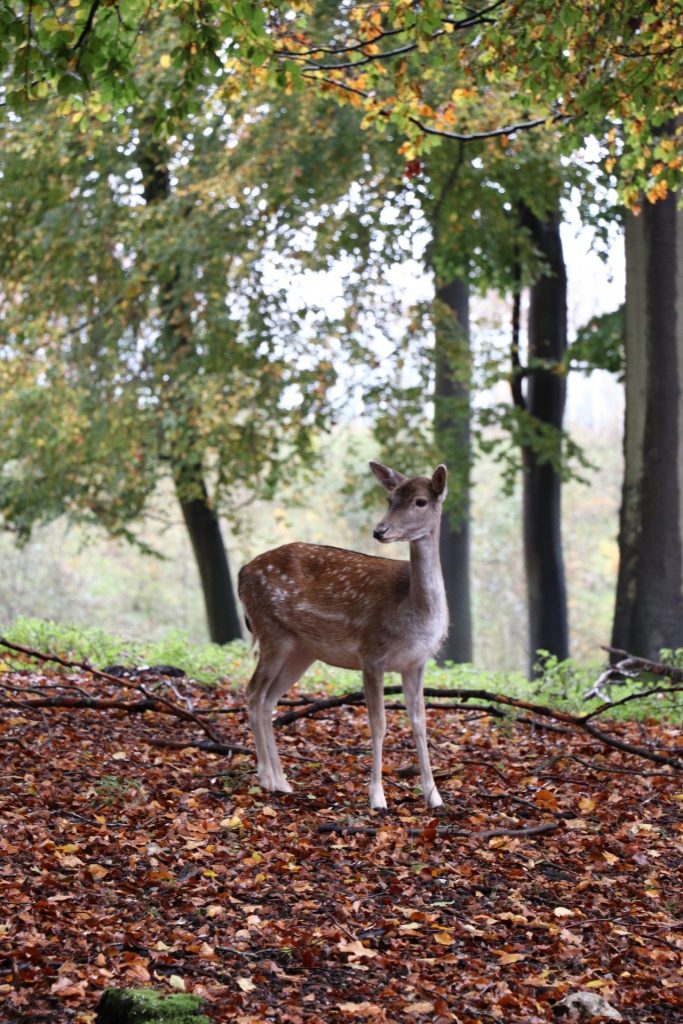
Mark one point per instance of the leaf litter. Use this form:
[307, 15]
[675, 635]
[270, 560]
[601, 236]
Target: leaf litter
[128, 863]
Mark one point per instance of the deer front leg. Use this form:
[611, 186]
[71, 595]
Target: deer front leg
[412, 691]
[373, 685]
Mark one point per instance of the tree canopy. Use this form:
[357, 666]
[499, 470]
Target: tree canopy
[435, 70]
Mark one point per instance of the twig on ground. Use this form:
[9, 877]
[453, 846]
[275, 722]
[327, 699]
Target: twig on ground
[489, 833]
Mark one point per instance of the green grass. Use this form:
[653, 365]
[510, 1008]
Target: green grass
[562, 684]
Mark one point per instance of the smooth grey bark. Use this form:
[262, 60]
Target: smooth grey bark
[199, 515]
[649, 600]
[545, 400]
[452, 436]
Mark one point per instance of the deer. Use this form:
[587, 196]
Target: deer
[313, 602]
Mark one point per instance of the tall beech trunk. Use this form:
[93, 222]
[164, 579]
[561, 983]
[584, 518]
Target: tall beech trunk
[199, 515]
[649, 600]
[452, 435]
[545, 400]
[211, 557]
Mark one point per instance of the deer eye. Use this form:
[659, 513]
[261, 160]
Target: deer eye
[421, 502]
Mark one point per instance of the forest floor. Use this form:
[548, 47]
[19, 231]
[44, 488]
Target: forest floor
[124, 864]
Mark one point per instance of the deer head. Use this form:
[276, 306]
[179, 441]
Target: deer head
[414, 504]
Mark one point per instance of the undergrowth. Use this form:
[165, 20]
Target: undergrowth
[562, 684]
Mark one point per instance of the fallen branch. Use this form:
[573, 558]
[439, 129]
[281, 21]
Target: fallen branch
[357, 697]
[446, 830]
[655, 668]
[157, 701]
[540, 715]
[206, 745]
[569, 722]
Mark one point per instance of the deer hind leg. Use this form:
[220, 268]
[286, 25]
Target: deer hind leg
[373, 680]
[269, 664]
[279, 666]
[293, 668]
[412, 691]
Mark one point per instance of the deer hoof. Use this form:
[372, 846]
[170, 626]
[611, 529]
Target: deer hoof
[282, 786]
[378, 800]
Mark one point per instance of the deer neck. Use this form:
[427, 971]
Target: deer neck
[426, 578]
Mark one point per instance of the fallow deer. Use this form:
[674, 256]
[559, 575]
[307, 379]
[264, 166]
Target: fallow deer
[308, 602]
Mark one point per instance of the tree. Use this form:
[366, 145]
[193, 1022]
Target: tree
[452, 438]
[156, 350]
[544, 401]
[649, 599]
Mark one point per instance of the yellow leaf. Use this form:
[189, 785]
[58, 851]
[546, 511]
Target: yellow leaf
[246, 984]
[176, 982]
[165, 60]
[233, 822]
[444, 938]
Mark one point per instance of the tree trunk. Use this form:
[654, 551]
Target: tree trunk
[452, 436]
[545, 400]
[200, 517]
[649, 601]
[212, 561]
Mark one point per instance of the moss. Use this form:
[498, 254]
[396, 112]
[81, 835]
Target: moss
[144, 1006]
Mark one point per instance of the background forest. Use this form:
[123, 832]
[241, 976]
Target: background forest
[223, 291]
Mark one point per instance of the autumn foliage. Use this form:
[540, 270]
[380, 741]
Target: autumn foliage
[132, 860]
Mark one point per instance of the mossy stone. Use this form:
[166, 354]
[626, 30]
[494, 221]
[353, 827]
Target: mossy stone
[144, 1006]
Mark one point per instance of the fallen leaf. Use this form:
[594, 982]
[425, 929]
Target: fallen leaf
[356, 949]
[421, 1007]
[363, 1009]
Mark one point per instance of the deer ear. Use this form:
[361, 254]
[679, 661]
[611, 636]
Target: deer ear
[439, 477]
[388, 478]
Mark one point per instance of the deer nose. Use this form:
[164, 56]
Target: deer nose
[379, 531]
